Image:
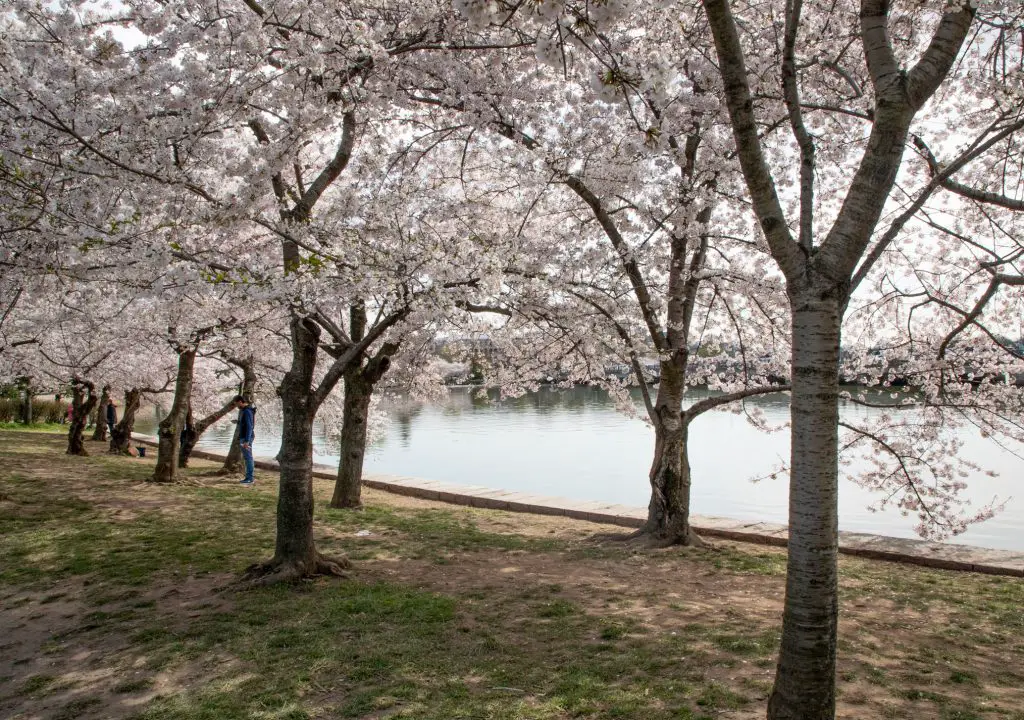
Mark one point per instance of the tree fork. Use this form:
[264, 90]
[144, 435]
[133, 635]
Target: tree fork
[83, 401]
[194, 430]
[359, 384]
[121, 438]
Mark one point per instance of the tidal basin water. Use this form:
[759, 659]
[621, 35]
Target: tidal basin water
[573, 443]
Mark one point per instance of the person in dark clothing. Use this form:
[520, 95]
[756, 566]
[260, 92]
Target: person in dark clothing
[111, 416]
[246, 434]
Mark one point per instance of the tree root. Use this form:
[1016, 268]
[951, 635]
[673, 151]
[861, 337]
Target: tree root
[218, 472]
[332, 567]
[654, 538]
[613, 537]
[184, 481]
[358, 506]
[281, 571]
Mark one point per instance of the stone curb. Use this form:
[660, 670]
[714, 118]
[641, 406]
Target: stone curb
[875, 547]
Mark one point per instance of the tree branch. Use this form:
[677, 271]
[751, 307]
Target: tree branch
[929, 72]
[634, 358]
[629, 263]
[330, 173]
[785, 250]
[972, 316]
[353, 354]
[710, 403]
[791, 94]
[881, 60]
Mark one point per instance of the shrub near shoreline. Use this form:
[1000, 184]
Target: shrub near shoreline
[43, 411]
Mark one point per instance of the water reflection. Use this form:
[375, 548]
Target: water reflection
[573, 443]
[402, 418]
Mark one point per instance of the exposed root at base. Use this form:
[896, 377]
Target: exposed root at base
[654, 539]
[612, 537]
[334, 567]
[193, 472]
[181, 482]
[278, 571]
[346, 507]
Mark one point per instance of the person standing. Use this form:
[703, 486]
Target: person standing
[246, 434]
[111, 415]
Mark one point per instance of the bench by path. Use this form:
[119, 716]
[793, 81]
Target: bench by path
[879, 547]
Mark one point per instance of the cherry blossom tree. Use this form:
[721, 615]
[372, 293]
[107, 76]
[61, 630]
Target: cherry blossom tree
[72, 333]
[187, 346]
[838, 235]
[234, 365]
[257, 136]
[626, 181]
[424, 250]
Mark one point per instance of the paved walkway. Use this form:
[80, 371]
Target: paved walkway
[916, 552]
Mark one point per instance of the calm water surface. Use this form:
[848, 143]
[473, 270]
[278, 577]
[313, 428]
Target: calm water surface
[573, 443]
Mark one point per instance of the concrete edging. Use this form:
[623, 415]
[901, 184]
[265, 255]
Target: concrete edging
[875, 547]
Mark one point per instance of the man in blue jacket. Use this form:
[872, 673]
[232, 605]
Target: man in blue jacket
[246, 434]
[111, 415]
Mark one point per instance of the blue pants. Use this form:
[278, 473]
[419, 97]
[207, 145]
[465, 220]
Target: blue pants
[250, 466]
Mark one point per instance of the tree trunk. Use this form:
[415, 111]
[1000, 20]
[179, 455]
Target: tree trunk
[26, 403]
[668, 513]
[100, 431]
[295, 553]
[359, 384]
[805, 678]
[169, 432]
[84, 400]
[121, 438]
[194, 430]
[233, 461]
[189, 438]
[348, 488]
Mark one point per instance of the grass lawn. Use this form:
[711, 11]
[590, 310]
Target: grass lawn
[39, 427]
[116, 601]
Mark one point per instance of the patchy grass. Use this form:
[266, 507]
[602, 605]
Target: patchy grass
[119, 599]
[46, 427]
